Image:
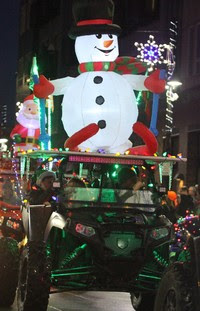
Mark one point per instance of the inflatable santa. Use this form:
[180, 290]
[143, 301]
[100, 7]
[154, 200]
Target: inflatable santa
[26, 133]
[99, 109]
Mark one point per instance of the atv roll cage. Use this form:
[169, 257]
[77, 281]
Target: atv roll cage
[93, 239]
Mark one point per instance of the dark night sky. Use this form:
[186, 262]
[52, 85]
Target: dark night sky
[9, 26]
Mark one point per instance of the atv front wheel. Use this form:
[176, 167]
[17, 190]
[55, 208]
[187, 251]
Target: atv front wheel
[176, 291]
[9, 264]
[142, 302]
[34, 278]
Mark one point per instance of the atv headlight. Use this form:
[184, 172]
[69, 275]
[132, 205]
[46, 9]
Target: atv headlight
[85, 230]
[160, 233]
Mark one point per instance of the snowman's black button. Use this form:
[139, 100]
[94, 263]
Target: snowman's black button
[100, 100]
[98, 79]
[102, 124]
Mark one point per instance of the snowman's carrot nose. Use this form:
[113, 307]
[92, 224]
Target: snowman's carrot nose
[107, 43]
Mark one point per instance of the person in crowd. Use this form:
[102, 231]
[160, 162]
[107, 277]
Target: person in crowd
[8, 194]
[42, 192]
[197, 187]
[168, 206]
[185, 203]
[183, 190]
[195, 194]
[192, 191]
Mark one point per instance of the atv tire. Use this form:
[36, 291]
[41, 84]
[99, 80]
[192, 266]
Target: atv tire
[142, 302]
[34, 278]
[9, 264]
[176, 291]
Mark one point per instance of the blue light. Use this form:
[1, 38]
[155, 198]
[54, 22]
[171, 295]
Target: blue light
[151, 53]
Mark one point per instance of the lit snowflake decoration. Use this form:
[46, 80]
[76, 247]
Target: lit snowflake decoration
[151, 53]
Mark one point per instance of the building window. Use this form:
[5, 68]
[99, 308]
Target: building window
[43, 12]
[193, 156]
[194, 50]
[143, 12]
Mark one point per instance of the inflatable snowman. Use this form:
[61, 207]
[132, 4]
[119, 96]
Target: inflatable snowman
[99, 109]
[26, 133]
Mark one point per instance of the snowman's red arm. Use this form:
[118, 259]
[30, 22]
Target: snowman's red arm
[55, 87]
[60, 85]
[151, 144]
[136, 81]
[151, 83]
[80, 136]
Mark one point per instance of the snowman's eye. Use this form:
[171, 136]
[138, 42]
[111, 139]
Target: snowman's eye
[99, 36]
[110, 36]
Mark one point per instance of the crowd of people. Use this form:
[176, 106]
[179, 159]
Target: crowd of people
[188, 200]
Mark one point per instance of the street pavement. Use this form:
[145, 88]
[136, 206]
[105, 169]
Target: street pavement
[86, 301]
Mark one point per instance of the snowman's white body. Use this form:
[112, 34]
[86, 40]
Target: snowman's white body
[118, 110]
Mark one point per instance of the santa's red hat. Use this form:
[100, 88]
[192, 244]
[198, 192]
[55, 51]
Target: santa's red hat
[28, 99]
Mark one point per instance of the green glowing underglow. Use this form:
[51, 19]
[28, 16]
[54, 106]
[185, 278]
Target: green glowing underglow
[149, 276]
[160, 259]
[69, 273]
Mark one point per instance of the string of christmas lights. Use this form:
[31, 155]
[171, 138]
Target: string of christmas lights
[171, 63]
[15, 165]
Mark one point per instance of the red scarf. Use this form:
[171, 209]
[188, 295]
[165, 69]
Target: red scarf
[122, 65]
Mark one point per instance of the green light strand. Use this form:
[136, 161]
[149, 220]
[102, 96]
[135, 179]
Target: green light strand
[50, 104]
[170, 176]
[28, 167]
[159, 259]
[22, 166]
[160, 172]
[42, 146]
[149, 276]
[34, 71]
[140, 92]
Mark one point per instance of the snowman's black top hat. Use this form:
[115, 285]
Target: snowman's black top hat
[93, 17]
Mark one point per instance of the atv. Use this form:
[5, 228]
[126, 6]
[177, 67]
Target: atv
[102, 237]
[11, 233]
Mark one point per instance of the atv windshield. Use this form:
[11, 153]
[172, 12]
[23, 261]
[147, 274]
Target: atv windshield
[107, 195]
[93, 178]
[106, 183]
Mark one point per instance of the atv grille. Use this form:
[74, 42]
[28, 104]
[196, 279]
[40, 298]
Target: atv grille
[122, 244]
